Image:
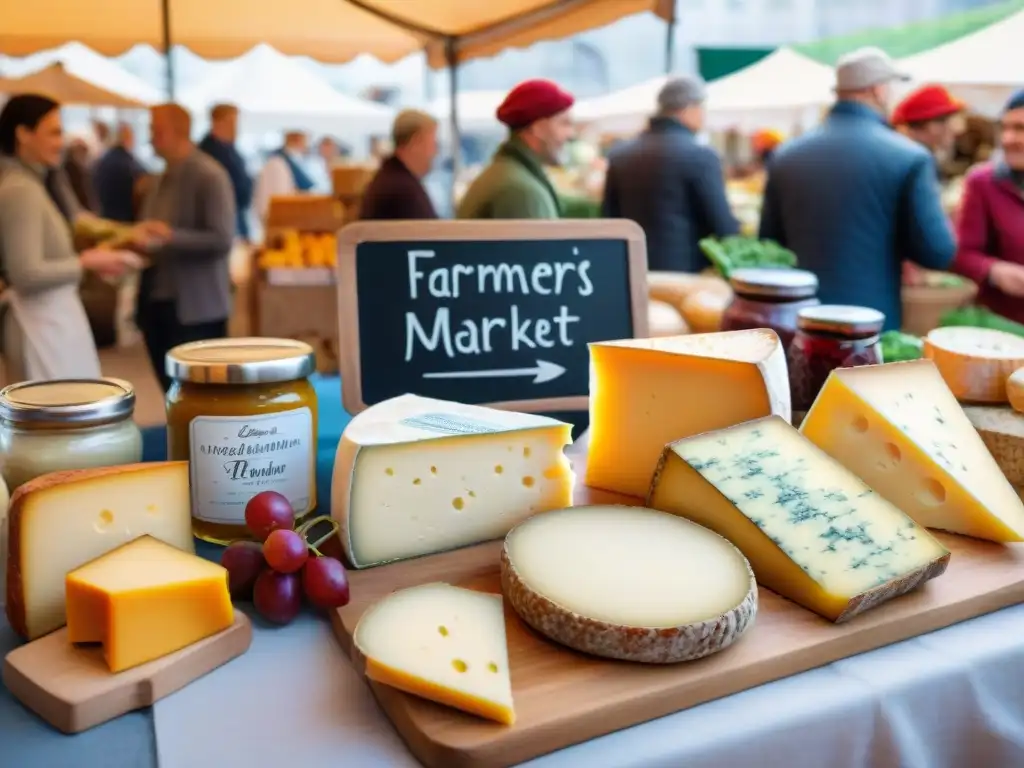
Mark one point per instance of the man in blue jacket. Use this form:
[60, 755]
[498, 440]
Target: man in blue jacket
[853, 198]
[219, 144]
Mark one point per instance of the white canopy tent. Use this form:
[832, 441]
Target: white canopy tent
[983, 68]
[476, 110]
[783, 90]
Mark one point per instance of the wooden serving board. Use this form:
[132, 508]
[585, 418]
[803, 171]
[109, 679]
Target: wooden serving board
[563, 697]
[71, 687]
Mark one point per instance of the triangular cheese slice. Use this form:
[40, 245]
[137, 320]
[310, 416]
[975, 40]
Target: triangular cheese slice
[901, 430]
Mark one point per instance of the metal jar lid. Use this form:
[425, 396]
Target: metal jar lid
[774, 283]
[841, 319]
[79, 402]
[252, 360]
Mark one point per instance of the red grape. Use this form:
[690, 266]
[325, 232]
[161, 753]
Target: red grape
[244, 561]
[268, 511]
[285, 551]
[277, 596]
[325, 582]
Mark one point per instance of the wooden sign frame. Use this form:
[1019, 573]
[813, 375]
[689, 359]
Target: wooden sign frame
[351, 236]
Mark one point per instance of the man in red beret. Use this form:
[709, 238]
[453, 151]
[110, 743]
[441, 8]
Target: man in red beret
[514, 185]
[926, 116]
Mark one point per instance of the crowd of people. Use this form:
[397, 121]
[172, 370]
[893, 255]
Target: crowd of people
[854, 198]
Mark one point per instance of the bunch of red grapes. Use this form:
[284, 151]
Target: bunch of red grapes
[277, 569]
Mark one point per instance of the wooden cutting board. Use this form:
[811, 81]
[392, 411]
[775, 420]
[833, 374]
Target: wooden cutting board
[71, 687]
[563, 697]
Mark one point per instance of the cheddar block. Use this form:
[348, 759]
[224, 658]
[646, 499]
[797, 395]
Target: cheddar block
[1002, 431]
[813, 532]
[63, 520]
[677, 591]
[1015, 390]
[900, 429]
[414, 476]
[644, 393]
[975, 362]
[442, 643]
[146, 599]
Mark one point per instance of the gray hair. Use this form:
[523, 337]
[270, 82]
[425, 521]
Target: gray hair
[408, 123]
[679, 93]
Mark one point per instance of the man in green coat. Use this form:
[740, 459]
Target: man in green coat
[514, 185]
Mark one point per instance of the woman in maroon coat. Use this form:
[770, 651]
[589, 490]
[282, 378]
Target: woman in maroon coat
[990, 230]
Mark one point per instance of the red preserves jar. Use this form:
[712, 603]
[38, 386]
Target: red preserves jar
[830, 336]
[769, 298]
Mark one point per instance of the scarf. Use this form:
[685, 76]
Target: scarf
[516, 150]
[299, 177]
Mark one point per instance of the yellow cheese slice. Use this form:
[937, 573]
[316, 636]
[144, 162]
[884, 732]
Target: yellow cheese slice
[1015, 390]
[414, 476]
[813, 532]
[900, 429]
[645, 393]
[145, 600]
[443, 643]
[975, 362]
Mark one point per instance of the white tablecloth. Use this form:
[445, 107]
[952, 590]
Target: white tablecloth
[950, 699]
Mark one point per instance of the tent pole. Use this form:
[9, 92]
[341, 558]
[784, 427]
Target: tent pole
[670, 45]
[165, 8]
[452, 59]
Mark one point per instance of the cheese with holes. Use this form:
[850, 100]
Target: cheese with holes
[1015, 390]
[415, 476]
[900, 429]
[645, 393]
[628, 583]
[1002, 431]
[145, 600]
[813, 532]
[975, 362]
[443, 643]
[61, 521]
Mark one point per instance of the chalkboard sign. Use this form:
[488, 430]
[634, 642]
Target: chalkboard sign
[484, 312]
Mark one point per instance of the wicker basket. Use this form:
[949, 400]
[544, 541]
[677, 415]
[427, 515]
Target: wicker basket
[924, 306]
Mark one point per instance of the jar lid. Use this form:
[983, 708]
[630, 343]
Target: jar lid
[775, 283]
[70, 401]
[840, 318]
[252, 360]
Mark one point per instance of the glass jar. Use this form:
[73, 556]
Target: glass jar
[769, 298]
[47, 426]
[243, 413]
[830, 336]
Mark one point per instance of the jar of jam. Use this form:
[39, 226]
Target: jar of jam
[769, 298]
[830, 336]
[243, 413]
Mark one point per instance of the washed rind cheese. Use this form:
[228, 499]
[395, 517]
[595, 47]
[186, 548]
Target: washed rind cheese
[1002, 431]
[901, 430]
[628, 583]
[442, 643]
[645, 393]
[146, 600]
[415, 476]
[975, 363]
[1015, 390]
[62, 520]
[812, 531]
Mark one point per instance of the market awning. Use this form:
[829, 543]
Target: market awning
[59, 84]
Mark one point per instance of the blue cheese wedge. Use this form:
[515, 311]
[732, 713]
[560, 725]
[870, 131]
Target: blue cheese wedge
[812, 531]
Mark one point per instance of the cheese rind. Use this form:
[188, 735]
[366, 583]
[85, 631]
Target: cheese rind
[415, 476]
[146, 600]
[812, 531]
[645, 393]
[900, 429]
[442, 643]
[628, 583]
[975, 362]
[63, 520]
[1002, 431]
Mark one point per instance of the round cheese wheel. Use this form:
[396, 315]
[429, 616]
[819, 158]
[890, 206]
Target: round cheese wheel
[674, 287]
[703, 311]
[628, 583]
[664, 320]
[975, 362]
[1015, 390]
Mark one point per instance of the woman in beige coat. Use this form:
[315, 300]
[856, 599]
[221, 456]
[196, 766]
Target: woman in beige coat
[46, 333]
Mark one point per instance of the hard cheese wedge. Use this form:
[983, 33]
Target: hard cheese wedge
[813, 532]
[900, 429]
[645, 393]
[145, 600]
[60, 521]
[628, 583]
[975, 362]
[414, 476]
[443, 643]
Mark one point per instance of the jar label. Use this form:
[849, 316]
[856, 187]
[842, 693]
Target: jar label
[233, 458]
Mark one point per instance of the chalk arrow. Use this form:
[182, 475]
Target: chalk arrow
[542, 372]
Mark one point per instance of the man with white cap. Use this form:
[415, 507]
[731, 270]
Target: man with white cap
[853, 198]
